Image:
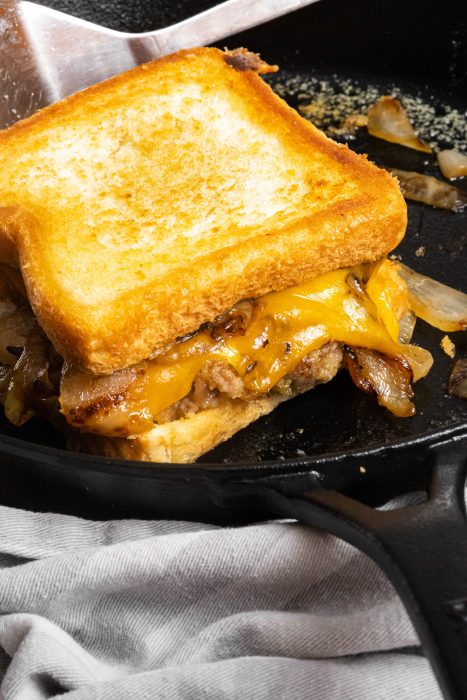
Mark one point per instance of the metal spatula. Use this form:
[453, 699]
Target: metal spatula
[46, 55]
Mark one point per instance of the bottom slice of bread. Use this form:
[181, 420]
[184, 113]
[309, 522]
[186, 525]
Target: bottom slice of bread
[184, 440]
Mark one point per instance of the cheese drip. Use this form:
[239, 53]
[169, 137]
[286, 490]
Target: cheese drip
[284, 327]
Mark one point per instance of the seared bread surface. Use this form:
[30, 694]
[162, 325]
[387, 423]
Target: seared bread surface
[146, 205]
[182, 441]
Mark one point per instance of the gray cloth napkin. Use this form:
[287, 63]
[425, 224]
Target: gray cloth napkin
[168, 610]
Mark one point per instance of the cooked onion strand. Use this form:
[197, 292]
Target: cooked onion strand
[452, 163]
[389, 377]
[439, 305]
[387, 120]
[430, 190]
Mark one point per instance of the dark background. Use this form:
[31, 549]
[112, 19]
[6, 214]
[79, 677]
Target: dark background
[402, 38]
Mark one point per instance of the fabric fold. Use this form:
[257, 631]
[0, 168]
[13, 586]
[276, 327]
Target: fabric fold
[160, 609]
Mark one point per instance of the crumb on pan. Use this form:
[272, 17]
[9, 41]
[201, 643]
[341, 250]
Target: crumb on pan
[448, 346]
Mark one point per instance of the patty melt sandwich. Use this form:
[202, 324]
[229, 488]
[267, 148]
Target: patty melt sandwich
[193, 253]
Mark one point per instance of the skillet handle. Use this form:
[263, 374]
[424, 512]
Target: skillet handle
[423, 551]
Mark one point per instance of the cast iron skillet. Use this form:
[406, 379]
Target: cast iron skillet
[329, 457]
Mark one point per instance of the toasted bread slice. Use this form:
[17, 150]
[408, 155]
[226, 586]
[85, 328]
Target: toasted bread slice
[182, 441]
[146, 205]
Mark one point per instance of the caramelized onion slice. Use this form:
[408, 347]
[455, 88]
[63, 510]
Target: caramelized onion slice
[104, 404]
[457, 383]
[430, 190]
[234, 321]
[419, 359]
[436, 303]
[16, 317]
[355, 370]
[32, 365]
[387, 120]
[452, 163]
[389, 377]
[14, 329]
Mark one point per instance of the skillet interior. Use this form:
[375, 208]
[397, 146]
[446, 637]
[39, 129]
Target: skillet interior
[321, 42]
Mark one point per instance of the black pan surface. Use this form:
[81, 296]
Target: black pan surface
[324, 51]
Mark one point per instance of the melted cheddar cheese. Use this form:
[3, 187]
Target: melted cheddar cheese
[360, 307]
[285, 327]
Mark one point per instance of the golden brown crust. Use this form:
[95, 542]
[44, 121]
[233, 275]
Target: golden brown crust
[291, 205]
[183, 441]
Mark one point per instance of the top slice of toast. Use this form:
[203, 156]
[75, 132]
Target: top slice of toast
[148, 204]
